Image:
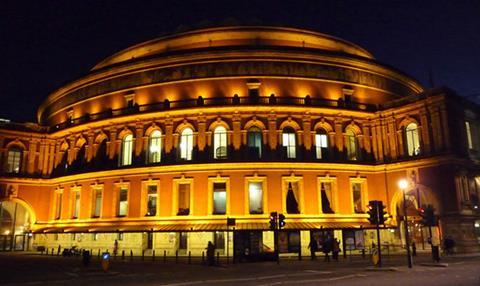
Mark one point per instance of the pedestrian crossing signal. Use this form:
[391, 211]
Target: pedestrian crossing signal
[281, 221]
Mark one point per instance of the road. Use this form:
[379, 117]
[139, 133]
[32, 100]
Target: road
[28, 269]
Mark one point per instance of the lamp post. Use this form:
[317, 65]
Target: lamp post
[403, 184]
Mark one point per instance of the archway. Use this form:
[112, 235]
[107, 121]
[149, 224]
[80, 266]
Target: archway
[16, 218]
[416, 197]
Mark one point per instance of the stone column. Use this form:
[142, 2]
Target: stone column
[168, 135]
[201, 135]
[237, 131]
[272, 130]
[307, 131]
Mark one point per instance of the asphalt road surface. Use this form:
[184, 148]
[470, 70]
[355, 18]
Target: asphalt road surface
[28, 269]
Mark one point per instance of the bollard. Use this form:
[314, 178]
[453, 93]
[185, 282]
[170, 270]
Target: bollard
[153, 255]
[300, 255]
[131, 255]
[189, 257]
[98, 255]
[176, 256]
[46, 251]
[123, 254]
[143, 255]
[203, 257]
[218, 258]
[164, 256]
[53, 252]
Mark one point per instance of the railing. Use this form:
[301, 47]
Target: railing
[212, 102]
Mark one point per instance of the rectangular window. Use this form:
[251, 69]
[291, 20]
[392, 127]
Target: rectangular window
[326, 194]
[289, 143]
[123, 201]
[292, 198]
[152, 200]
[183, 199]
[182, 241]
[13, 161]
[469, 135]
[97, 202]
[219, 198]
[75, 203]
[357, 198]
[58, 207]
[255, 197]
[219, 240]
[320, 145]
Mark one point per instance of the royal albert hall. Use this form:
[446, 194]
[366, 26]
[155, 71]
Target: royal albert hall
[158, 145]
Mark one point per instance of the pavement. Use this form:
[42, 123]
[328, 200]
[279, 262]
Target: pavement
[33, 269]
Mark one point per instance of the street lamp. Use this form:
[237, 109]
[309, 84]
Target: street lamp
[403, 184]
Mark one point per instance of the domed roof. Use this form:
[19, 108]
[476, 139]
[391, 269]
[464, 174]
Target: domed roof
[238, 37]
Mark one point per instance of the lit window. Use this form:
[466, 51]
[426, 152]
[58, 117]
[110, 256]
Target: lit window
[357, 196]
[220, 143]
[186, 144]
[123, 201]
[326, 194]
[58, 204]
[255, 141]
[76, 203]
[127, 146]
[413, 144]
[292, 198]
[155, 147]
[351, 144]
[183, 199]
[152, 200]
[321, 144]
[219, 240]
[13, 160]
[469, 135]
[255, 197]
[219, 198]
[288, 139]
[97, 202]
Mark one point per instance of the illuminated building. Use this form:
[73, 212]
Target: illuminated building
[163, 141]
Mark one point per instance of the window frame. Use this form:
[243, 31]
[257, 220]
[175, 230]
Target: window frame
[319, 153]
[95, 189]
[256, 179]
[187, 153]
[126, 157]
[289, 134]
[300, 200]
[334, 199]
[155, 157]
[363, 193]
[176, 184]
[116, 201]
[220, 139]
[75, 201]
[211, 203]
[256, 132]
[145, 195]
[412, 140]
[351, 145]
[13, 161]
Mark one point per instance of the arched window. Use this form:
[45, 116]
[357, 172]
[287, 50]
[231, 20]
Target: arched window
[127, 148]
[321, 143]
[220, 143]
[351, 145]
[254, 141]
[14, 159]
[186, 144]
[413, 144]
[155, 147]
[288, 140]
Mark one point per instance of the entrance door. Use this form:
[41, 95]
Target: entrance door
[248, 245]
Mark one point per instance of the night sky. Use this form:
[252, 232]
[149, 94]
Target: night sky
[44, 44]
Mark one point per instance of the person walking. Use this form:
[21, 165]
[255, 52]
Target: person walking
[115, 248]
[313, 246]
[327, 247]
[414, 249]
[210, 253]
[335, 249]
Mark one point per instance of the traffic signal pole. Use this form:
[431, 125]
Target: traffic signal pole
[378, 237]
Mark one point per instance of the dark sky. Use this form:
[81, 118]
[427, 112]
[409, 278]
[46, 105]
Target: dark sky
[44, 44]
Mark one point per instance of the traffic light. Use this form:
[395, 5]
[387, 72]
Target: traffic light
[281, 221]
[273, 220]
[372, 212]
[382, 214]
[428, 215]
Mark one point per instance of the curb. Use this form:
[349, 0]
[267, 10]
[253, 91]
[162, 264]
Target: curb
[435, 264]
[384, 269]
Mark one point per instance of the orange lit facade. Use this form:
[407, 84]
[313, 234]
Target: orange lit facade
[162, 142]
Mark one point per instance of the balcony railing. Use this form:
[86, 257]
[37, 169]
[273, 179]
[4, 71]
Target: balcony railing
[214, 102]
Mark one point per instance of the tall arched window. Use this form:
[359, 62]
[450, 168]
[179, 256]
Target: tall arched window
[14, 159]
[186, 144]
[351, 145]
[321, 144]
[288, 141]
[155, 147]
[254, 141]
[220, 143]
[127, 148]
[413, 144]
